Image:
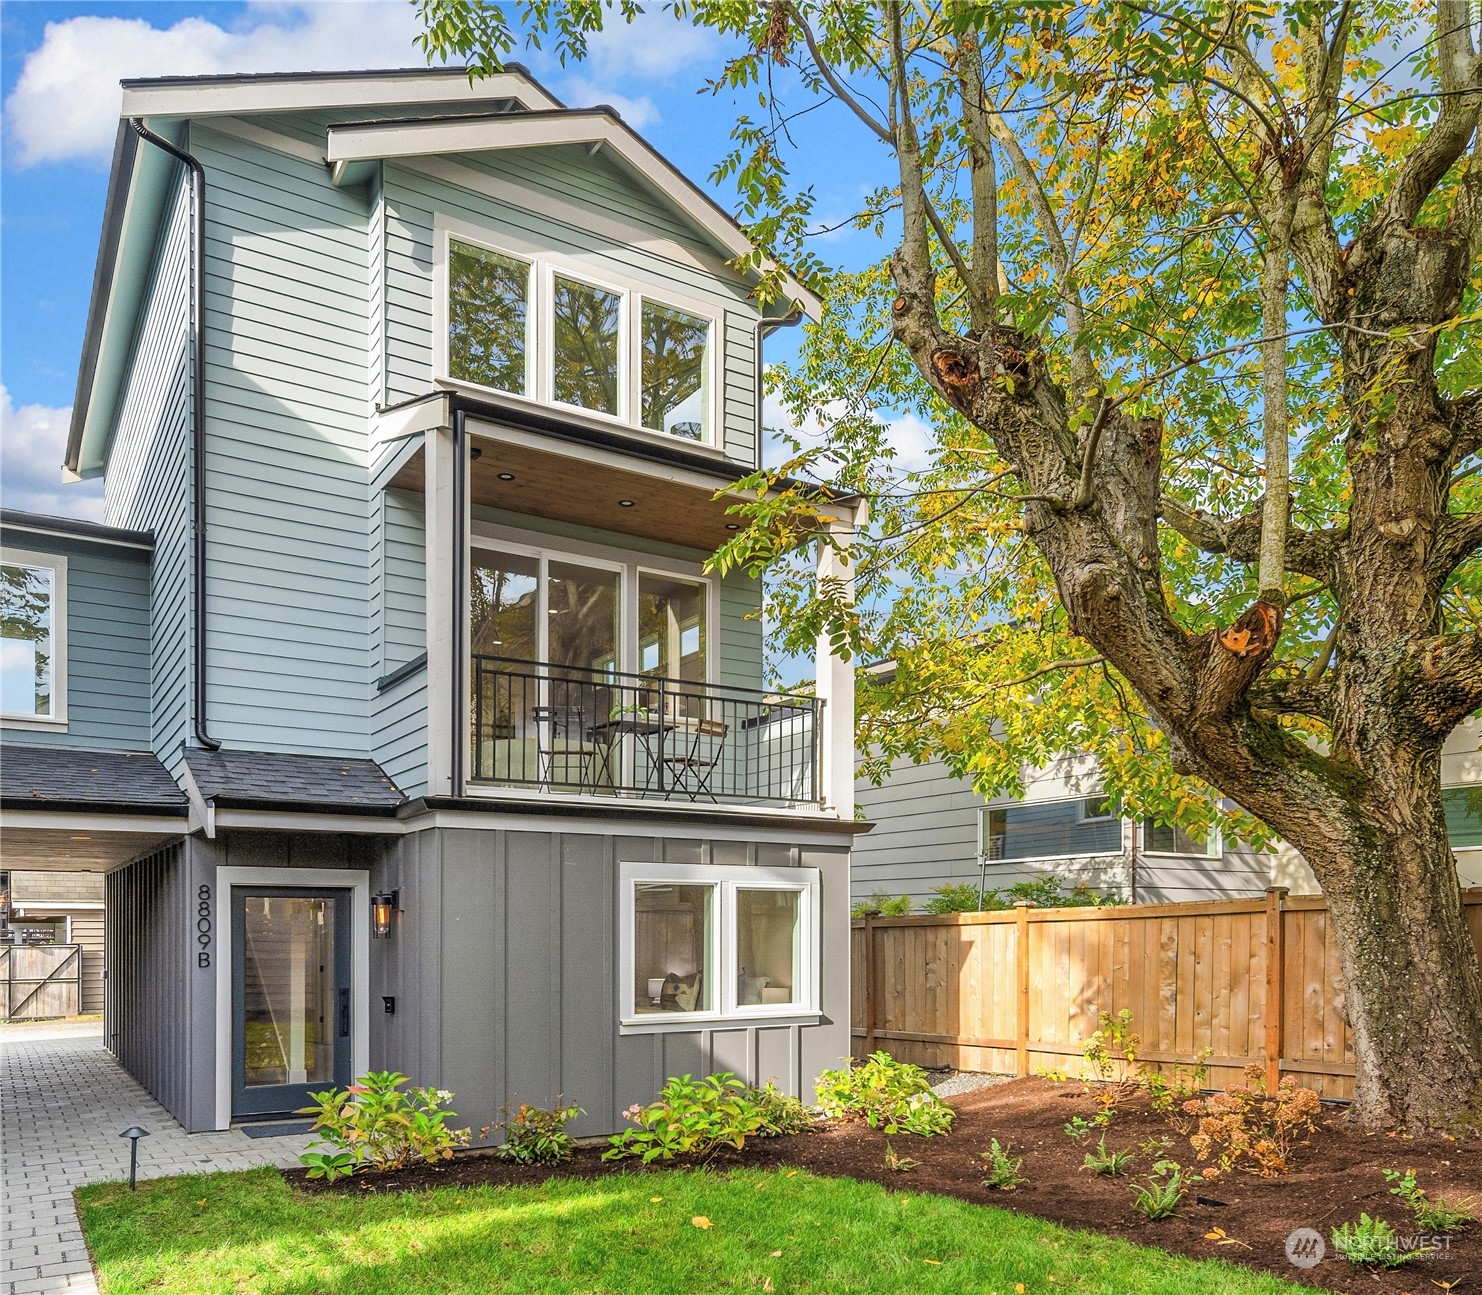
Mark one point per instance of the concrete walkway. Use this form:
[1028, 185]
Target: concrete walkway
[63, 1103]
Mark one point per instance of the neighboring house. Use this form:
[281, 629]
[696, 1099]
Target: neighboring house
[394, 699]
[58, 908]
[932, 829]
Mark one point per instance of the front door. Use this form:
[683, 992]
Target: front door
[290, 996]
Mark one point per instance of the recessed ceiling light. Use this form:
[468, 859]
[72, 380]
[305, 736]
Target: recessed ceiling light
[506, 476]
[82, 838]
[733, 526]
[625, 503]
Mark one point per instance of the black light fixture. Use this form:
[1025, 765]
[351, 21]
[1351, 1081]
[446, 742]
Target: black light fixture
[475, 454]
[134, 1133]
[383, 905]
[625, 503]
[506, 476]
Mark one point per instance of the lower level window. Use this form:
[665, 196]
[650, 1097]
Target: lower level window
[714, 942]
[1163, 838]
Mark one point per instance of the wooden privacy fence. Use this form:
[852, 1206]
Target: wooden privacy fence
[1256, 981]
[40, 980]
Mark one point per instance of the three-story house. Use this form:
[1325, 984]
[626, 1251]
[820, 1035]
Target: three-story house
[395, 698]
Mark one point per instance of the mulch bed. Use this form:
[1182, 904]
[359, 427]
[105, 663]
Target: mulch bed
[1334, 1178]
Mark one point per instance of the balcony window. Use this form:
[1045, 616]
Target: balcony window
[675, 366]
[1059, 829]
[671, 627]
[33, 649]
[587, 325]
[521, 322]
[717, 942]
[488, 318]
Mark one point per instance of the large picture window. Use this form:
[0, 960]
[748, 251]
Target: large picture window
[33, 649]
[717, 943]
[1057, 829]
[518, 322]
[488, 318]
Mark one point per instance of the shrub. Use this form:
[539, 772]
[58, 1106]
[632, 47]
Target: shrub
[1047, 892]
[1247, 1123]
[375, 1126]
[691, 1117]
[1108, 1163]
[1160, 1197]
[887, 1094]
[1003, 1168]
[1369, 1243]
[963, 897]
[1169, 1093]
[1430, 1215]
[533, 1135]
[882, 905]
[781, 1113]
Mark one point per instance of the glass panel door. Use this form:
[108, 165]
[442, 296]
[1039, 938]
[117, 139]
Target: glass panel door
[291, 1007]
[582, 647]
[507, 641]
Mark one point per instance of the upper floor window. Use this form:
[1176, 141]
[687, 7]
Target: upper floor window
[523, 325]
[33, 639]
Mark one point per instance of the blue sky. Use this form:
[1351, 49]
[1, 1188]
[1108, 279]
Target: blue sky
[59, 70]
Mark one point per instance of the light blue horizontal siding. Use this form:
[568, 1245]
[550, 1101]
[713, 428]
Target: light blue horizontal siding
[108, 645]
[568, 174]
[288, 305]
[148, 472]
[399, 634]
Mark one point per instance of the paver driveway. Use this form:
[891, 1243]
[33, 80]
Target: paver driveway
[63, 1103]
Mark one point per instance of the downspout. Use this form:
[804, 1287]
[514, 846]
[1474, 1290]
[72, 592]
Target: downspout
[197, 422]
[460, 586]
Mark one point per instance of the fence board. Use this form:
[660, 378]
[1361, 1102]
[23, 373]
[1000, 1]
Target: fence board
[1255, 981]
[40, 981]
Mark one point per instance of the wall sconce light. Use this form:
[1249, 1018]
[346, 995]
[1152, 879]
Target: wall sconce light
[383, 905]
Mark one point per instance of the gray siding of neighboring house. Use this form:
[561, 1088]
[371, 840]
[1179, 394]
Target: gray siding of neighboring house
[927, 834]
[288, 259]
[108, 645]
[571, 176]
[506, 968]
[148, 471]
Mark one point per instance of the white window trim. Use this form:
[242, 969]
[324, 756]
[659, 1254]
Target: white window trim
[985, 810]
[727, 1013]
[57, 565]
[540, 329]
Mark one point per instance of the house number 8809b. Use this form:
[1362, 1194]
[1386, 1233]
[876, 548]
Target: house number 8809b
[203, 926]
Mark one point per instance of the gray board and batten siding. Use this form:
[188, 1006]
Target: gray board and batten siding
[107, 669]
[503, 965]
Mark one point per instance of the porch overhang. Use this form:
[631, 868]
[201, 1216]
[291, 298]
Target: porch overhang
[82, 840]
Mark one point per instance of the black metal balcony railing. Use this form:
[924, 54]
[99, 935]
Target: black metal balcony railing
[603, 732]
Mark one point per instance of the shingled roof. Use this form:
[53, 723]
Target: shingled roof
[33, 776]
[270, 779]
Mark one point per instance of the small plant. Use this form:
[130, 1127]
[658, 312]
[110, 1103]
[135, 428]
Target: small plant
[1108, 1163]
[533, 1135]
[1155, 1148]
[376, 1126]
[887, 1094]
[896, 1163]
[1003, 1168]
[1369, 1243]
[882, 905]
[1430, 1215]
[782, 1114]
[1246, 1124]
[962, 897]
[1169, 1092]
[1164, 1190]
[692, 1118]
[1111, 1051]
[1079, 1126]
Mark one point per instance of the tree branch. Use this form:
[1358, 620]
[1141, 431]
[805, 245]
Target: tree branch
[1293, 695]
[1459, 536]
[1308, 553]
[1440, 681]
[984, 183]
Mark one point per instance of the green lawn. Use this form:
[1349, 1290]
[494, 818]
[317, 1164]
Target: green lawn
[234, 1233]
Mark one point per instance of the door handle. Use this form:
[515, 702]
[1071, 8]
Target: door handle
[344, 1013]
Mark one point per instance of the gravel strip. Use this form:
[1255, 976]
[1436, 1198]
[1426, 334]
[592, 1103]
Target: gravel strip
[955, 1083]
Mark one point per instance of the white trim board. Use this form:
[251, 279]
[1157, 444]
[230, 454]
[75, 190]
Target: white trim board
[357, 882]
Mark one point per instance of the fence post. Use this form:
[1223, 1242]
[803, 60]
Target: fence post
[1275, 975]
[869, 985]
[1021, 917]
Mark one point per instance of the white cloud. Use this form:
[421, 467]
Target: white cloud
[911, 438]
[65, 103]
[33, 440]
[583, 92]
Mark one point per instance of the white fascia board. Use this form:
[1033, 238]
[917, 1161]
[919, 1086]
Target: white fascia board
[319, 94]
[364, 142]
[86, 821]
